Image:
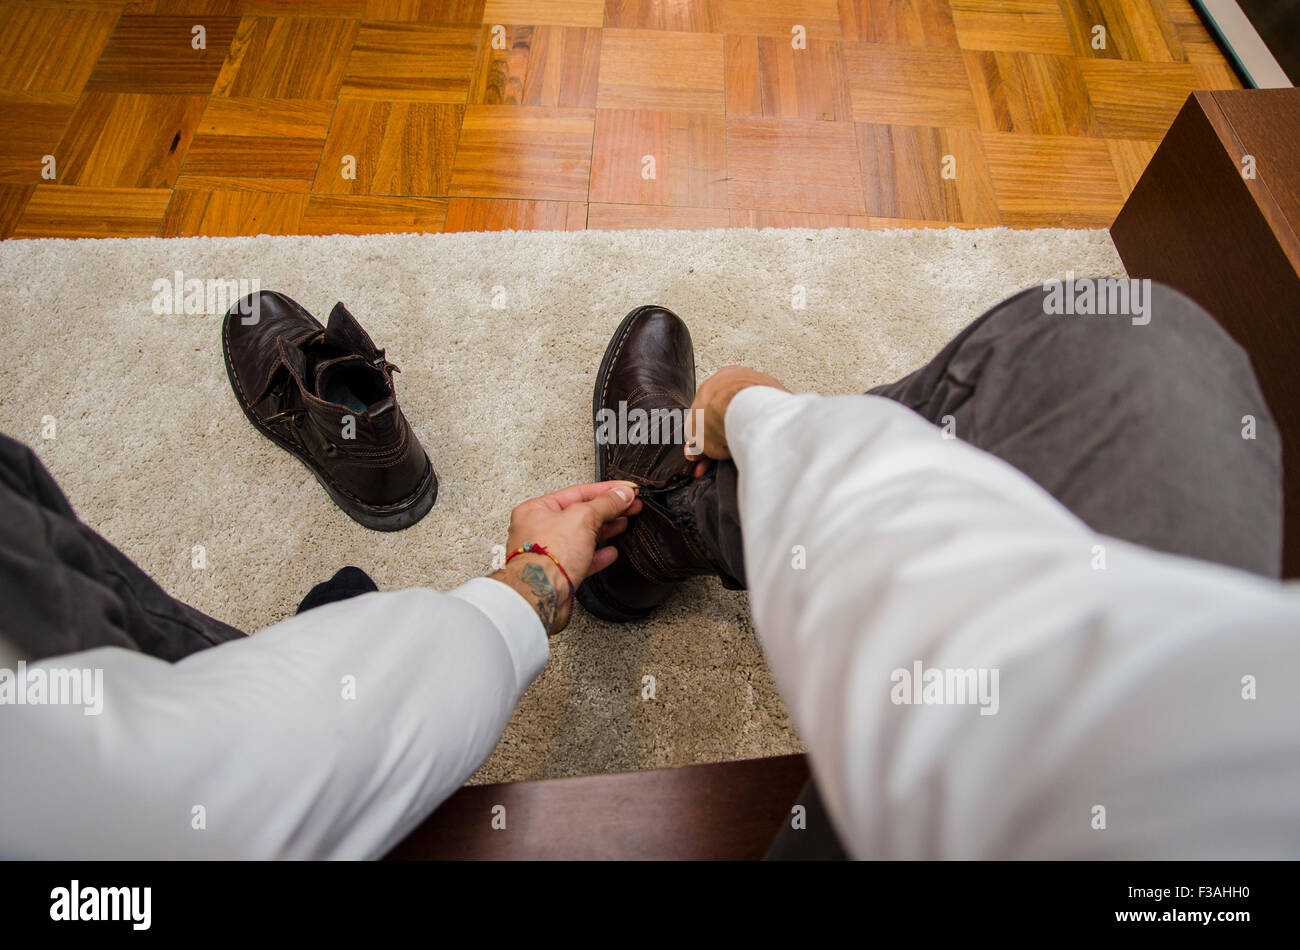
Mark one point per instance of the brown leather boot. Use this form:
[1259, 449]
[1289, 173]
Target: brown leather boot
[649, 365]
[325, 394]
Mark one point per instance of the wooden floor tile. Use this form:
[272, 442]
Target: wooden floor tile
[507, 214]
[397, 148]
[50, 49]
[741, 218]
[31, 127]
[438, 12]
[1045, 181]
[1030, 92]
[232, 214]
[517, 152]
[191, 181]
[908, 85]
[156, 55]
[1197, 42]
[910, 22]
[545, 12]
[630, 160]
[621, 217]
[1218, 75]
[352, 9]
[304, 118]
[185, 8]
[656, 70]
[755, 113]
[1027, 26]
[820, 19]
[372, 214]
[127, 140]
[287, 58]
[1134, 30]
[335, 9]
[411, 61]
[871, 223]
[1181, 11]
[678, 16]
[792, 83]
[13, 199]
[62, 211]
[1130, 158]
[793, 165]
[213, 157]
[744, 90]
[697, 151]
[540, 66]
[925, 174]
[1137, 100]
[257, 144]
[648, 157]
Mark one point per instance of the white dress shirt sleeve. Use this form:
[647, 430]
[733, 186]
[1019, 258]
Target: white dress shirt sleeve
[1146, 706]
[331, 734]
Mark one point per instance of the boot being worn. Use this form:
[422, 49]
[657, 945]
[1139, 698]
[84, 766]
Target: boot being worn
[648, 365]
[326, 395]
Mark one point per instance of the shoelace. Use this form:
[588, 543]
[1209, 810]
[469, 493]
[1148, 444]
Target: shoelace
[293, 416]
[654, 497]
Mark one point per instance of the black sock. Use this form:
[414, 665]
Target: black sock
[348, 582]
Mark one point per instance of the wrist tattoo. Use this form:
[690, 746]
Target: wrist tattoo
[543, 595]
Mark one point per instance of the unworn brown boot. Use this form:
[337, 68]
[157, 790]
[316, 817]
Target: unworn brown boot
[649, 365]
[325, 394]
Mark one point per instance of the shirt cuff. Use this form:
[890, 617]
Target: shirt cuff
[748, 408]
[515, 620]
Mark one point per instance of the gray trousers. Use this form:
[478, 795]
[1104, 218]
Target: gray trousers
[1136, 429]
[66, 589]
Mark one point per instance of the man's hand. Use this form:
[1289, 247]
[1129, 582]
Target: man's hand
[710, 407]
[568, 523]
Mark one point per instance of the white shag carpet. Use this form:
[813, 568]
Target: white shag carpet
[153, 452]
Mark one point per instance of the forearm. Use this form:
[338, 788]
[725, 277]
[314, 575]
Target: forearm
[328, 735]
[860, 560]
[539, 581]
[917, 549]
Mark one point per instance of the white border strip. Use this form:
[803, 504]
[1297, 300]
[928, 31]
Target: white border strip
[1254, 56]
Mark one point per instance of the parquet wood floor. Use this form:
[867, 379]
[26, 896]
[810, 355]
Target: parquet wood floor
[224, 117]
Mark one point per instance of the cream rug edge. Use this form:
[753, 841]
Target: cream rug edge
[153, 452]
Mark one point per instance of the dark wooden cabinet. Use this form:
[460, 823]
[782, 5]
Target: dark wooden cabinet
[1216, 215]
[721, 811]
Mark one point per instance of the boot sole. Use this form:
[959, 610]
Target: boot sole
[393, 517]
[597, 602]
[592, 594]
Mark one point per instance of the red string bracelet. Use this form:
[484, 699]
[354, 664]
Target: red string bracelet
[532, 547]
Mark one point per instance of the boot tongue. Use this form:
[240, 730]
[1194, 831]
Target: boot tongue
[344, 332]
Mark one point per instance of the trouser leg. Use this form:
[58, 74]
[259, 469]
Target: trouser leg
[66, 589]
[1136, 429]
